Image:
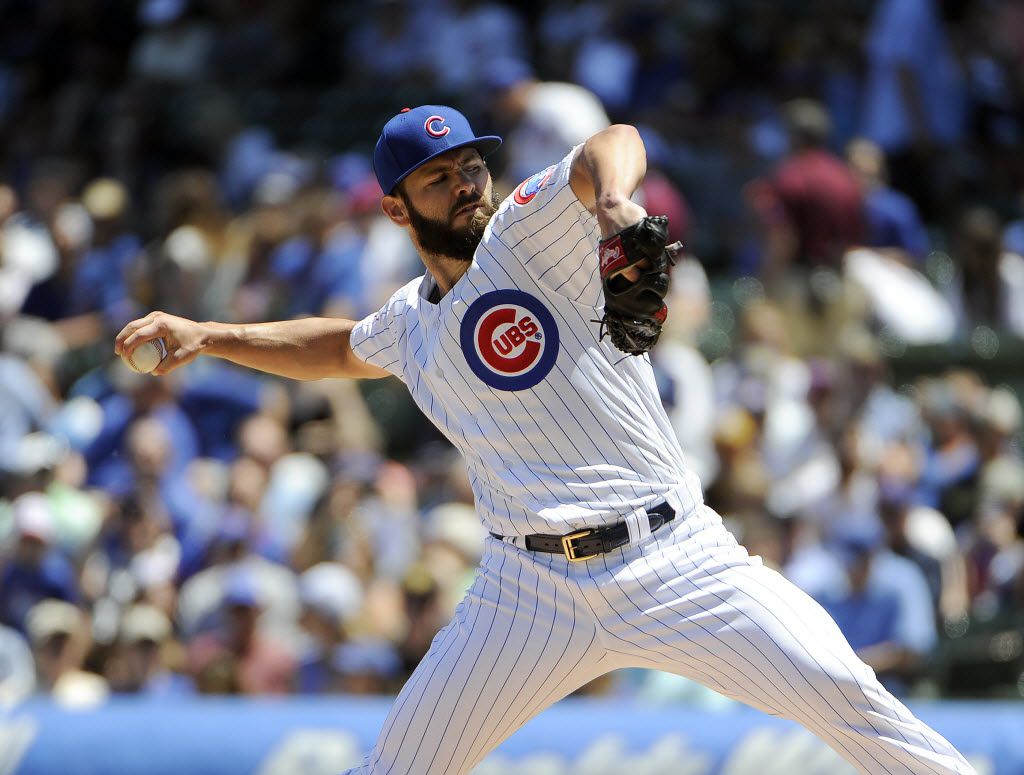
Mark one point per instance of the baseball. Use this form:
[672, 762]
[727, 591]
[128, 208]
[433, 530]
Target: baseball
[146, 357]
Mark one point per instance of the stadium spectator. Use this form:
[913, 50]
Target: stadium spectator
[17, 668]
[894, 509]
[891, 218]
[35, 248]
[318, 265]
[175, 48]
[34, 570]
[103, 271]
[914, 103]
[1013, 234]
[995, 558]
[425, 612]
[990, 289]
[385, 46]
[821, 205]
[146, 439]
[139, 664]
[26, 406]
[366, 667]
[237, 652]
[879, 600]
[540, 119]
[950, 463]
[59, 634]
[470, 35]
[605, 65]
[331, 598]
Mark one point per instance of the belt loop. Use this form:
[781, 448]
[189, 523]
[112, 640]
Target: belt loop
[676, 502]
[639, 526]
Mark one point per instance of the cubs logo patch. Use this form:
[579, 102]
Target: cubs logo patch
[528, 189]
[434, 126]
[509, 339]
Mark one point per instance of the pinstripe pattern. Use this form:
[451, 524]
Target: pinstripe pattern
[588, 442]
[518, 642]
[586, 445]
[690, 601]
[693, 586]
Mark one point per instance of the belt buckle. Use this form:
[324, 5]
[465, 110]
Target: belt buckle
[570, 550]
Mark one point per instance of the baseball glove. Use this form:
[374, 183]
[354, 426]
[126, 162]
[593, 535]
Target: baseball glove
[634, 311]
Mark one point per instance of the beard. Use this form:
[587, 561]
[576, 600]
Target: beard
[441, 238]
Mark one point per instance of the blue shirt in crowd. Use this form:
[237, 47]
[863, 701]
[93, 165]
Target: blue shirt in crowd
[892, 221]
[22, 586]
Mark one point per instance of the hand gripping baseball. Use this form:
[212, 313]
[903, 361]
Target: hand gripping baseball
[634, 309]
[185, 339]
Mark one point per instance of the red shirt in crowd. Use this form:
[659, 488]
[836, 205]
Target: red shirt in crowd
[823, 203]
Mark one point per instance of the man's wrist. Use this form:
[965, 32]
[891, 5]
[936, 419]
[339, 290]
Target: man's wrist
[617, 213]
[216, 338]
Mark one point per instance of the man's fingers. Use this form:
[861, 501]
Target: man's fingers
[174, 360]
[146, 333]
[127, 331]
[131, 328]
[632, 272]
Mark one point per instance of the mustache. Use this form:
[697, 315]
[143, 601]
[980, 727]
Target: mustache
[462, 202]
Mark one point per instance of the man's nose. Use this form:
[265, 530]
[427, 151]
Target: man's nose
[464, 184]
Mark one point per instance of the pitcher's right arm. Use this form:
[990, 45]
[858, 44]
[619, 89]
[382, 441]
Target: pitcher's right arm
[304, 349]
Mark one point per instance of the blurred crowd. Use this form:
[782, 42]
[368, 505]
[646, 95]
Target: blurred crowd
[846, 176]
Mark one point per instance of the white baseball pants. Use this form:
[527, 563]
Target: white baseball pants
[688, 600]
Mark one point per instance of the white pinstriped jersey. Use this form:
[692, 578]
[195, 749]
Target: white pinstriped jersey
[559, 431]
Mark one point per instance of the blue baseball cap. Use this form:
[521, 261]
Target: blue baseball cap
[240, 590]
[417, 135]
[854, 539]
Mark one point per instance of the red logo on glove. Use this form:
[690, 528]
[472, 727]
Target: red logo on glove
[611, 255]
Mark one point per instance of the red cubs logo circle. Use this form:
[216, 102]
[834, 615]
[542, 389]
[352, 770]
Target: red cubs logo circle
[434, 126]
[510, 339]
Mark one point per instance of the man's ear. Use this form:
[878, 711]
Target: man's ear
[394, 208]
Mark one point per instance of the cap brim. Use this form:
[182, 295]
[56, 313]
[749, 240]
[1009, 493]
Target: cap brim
[487, 145]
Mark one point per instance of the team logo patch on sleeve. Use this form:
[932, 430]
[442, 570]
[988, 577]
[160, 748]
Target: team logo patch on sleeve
[528, 189]
[509, 339]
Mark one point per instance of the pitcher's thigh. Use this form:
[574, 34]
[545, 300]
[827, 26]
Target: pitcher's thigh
[514, 648]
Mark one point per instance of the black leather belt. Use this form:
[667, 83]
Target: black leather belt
[584, 544]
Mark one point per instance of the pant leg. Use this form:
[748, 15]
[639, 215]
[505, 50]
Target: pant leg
[699, 606]
[519, 642]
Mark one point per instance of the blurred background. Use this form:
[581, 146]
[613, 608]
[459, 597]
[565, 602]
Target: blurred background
[843, 364]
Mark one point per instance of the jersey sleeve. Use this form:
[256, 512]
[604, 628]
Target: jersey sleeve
[377, 340]
[552, 234]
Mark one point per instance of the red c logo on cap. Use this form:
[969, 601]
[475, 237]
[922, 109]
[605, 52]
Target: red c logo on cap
[428, 126]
